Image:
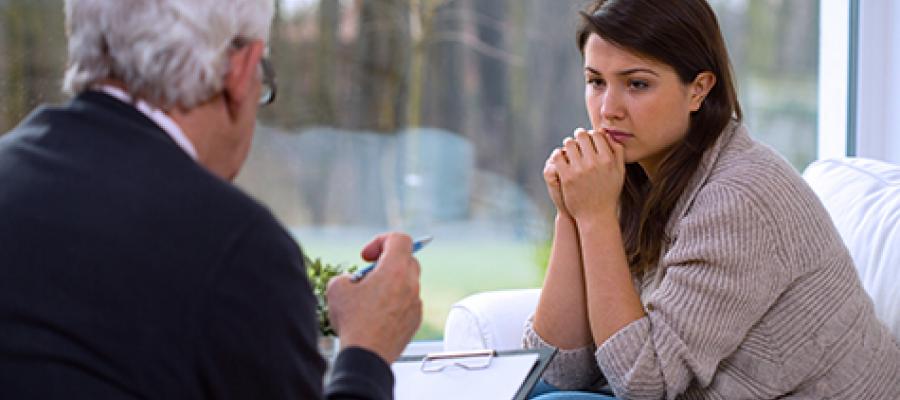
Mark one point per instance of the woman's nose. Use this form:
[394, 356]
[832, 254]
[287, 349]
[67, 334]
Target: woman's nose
[611, 106]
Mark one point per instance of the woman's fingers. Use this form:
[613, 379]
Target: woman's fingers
[616, 150]
[619, 151]
[559, 156]
[562, 156]
[585, 143]
[575, 149]
[589, 170]
[586, 148]
[550, 167]
[572, 151]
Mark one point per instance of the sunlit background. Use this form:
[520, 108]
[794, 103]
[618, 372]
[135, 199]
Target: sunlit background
[435, 117]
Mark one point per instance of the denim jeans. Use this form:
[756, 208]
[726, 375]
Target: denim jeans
[546, 391]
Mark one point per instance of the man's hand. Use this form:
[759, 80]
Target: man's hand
[382, 311]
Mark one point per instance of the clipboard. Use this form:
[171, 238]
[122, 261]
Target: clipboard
[462, 364]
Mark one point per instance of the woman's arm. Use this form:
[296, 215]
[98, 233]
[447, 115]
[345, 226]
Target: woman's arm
[722, 274]
[561, 316]
[592, 172]
[612, 300]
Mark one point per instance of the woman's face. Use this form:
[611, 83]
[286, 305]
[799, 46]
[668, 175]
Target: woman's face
[639, 102]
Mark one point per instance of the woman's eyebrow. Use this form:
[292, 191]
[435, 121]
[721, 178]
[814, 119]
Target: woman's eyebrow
[624, 72]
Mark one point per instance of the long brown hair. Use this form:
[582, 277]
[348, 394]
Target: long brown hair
[685, 35]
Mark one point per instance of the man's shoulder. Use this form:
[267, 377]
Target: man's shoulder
[110, 159]
[91, 120]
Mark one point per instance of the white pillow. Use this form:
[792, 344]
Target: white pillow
[490, 320]
[863, 198]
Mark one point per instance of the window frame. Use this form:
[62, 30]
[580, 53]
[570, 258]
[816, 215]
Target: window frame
[877, 108]
[836, 113]
[859, 65]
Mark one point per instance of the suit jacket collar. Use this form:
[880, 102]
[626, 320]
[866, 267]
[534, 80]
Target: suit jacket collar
[115, 109]
[93, 98]
[159, 117]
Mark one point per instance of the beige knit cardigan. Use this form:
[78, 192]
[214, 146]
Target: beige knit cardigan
[756, 297]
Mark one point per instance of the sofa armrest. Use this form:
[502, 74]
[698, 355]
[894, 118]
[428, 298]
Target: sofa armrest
[490, 320]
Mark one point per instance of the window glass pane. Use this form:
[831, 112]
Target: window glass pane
[32, 57]
[432, 117]
[774, 47]
[435, 117]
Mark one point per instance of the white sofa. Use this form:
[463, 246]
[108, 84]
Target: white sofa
[862, 196]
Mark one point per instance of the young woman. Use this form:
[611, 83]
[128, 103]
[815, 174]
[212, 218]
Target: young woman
[690, 261]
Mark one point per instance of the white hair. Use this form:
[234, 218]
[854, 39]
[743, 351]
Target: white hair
[167, 52]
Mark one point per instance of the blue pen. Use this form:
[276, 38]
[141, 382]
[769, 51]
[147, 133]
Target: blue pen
[417, 245]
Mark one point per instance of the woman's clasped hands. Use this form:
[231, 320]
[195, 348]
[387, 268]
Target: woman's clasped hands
[585, 176]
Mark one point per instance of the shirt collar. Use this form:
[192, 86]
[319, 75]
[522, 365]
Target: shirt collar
[166, 123]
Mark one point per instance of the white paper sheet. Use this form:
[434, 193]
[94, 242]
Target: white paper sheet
[499, 381]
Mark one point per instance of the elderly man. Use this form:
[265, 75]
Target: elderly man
[131, 268]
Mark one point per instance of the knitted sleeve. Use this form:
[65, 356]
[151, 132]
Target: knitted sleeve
[570, 369]
[722, 273]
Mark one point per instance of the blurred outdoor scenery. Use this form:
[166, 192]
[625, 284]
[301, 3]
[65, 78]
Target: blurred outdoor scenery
[435, 117]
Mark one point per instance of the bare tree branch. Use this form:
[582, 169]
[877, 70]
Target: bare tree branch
[474, 43]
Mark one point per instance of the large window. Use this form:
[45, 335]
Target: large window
[774, 47]
[435, 117]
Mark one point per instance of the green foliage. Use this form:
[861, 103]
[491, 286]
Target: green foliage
[319, 273]
[460, 266]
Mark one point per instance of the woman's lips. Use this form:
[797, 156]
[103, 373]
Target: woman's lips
[618, 136]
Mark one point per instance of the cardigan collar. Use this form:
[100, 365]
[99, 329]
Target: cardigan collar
[701, 175]
[651, 279]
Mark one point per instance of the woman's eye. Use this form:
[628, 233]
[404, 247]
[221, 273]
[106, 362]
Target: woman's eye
[596, 82]
[638, 84]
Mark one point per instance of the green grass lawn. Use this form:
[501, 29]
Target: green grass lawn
[452, 268]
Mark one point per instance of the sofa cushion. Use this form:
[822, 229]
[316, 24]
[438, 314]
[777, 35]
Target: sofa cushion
[863, 198]
[490, 320]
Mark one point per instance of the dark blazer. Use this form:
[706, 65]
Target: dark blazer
[128, 271]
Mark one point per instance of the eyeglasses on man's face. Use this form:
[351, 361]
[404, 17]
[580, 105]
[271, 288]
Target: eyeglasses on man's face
[269, 89]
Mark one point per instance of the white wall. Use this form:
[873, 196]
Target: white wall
[878, 106]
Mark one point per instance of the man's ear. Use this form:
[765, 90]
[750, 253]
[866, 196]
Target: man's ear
[700, 88]
[243, 70]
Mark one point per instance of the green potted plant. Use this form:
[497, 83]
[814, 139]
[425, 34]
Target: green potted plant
[319, 273]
